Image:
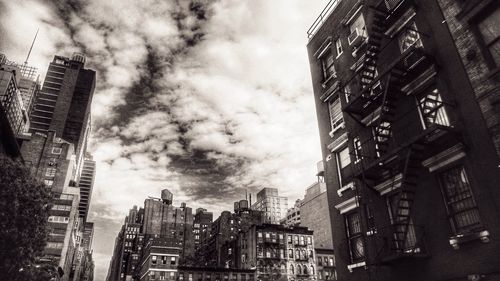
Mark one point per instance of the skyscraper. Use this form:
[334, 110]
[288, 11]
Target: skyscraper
[86, 183]
[63, 103]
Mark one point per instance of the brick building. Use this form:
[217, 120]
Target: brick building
[406, 100]
[86, 184]
[292, 217]
[277, 252]
[225, 229]
[325, 262]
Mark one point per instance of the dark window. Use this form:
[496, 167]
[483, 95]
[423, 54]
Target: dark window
[327, 66]
[489, 27]
[355, 237]
[462, 209]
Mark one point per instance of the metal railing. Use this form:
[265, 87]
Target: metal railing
[330, 6]
[390, 245]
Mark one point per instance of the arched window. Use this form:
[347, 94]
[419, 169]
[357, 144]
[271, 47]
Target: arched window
[292, 269]
[290, 253]
[305, 270]
[299, 269]
[312, 269]
[283, 268]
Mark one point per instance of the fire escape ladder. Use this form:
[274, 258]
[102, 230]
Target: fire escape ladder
[369, 69]
[402, 213]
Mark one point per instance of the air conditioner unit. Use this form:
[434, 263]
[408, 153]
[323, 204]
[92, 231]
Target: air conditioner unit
[356, 37]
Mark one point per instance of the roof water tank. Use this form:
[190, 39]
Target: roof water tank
[167, 196]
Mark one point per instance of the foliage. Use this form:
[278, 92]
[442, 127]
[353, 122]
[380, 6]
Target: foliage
[23, 221]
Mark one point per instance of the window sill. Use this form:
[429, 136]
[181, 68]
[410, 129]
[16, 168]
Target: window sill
[351, 267]
[332, 132]
[456, 240]
[328, 79]
[345, 188]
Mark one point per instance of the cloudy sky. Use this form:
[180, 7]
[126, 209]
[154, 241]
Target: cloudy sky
[205, 98]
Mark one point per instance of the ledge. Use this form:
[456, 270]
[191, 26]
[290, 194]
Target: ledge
[445, 158]
[349, 204]
[346, 187]
[455, 241]
[338, 143]
[389, 185]
[350, 267]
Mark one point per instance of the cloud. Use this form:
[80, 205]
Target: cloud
[205, 98]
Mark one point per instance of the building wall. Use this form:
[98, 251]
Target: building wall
[315, 215]
[86, 184]
[273, 206]
[429, 212]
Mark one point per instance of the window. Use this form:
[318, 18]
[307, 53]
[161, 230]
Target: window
[58, 219]
[50, 172]
[56, 150]
[153, 259]
[357, 150]
[355, 237]
[343, 158]
[296, 239]
[432, 110]
[327, 67]
[309, 240]
[489, 27]
[462, 209]
[338, 46]
[409, 37]
[48, 183]
[302, 242]
[290, 253]
[320, 261]
[358, 25]
[336, 118]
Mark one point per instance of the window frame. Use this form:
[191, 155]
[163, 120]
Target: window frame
[471, 228]
[354, 237]
[338, 48]
[484, 47]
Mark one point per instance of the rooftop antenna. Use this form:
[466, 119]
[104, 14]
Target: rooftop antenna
[31, 48]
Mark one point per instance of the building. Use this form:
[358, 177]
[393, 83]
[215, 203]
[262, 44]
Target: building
[201, 226]
[86, 183]
[277, 252]
[128, 248]
[162, 219]
[51, 160]
[315, 212]
[63, 103]
[160, 260]
[224, 230]
[272, 206]
[215, 274]
[407, 128]
[145, 233]
[13, 113]
[292, 217]
[325, 263]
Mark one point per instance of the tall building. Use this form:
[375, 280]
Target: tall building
[146, 234]
[201, 226]
[405, 95]
[63, 103]
[161, 218]
[272, 206]
[86, 183]
[292, 217]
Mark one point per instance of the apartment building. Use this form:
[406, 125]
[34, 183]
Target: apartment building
[406, 107]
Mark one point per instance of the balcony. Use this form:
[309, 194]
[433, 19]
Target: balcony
[392, 246]
[409, 130]
[406, 67]
[394, 11]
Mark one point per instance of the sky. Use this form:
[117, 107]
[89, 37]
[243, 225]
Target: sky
[208, 99]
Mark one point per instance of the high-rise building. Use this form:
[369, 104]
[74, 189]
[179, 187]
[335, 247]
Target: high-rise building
[406, 96]
[201, 226]
[63, 103]
[86, 183]
[272, 205]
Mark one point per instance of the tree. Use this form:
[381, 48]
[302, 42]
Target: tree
[24, 203]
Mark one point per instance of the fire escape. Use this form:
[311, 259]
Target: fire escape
[391, 154]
